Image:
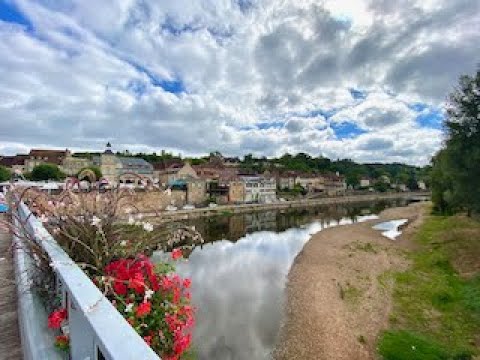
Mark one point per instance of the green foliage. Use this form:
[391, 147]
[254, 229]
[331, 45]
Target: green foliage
[44, 172]
[380, 186]
[435, 309]
[96, 170]
[456, 171]
[5, 174]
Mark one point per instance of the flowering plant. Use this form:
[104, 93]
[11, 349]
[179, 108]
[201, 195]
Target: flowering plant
[55, 321]
[156, 302]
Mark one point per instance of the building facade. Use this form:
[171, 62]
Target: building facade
[259, 189]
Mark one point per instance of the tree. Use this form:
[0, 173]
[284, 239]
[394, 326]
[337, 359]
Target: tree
[84, 173]
[44, 172]
[5, 174]
[456, 170]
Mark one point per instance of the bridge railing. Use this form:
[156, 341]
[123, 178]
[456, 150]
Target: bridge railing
[97, 330]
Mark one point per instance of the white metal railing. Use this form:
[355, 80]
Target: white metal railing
[97, 330]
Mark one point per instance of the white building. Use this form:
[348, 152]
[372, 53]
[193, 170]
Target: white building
[259, 189]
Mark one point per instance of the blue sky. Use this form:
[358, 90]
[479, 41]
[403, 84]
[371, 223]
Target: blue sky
[241, 76]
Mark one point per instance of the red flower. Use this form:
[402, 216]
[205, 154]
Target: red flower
[56, 318]
[176, 254]
[143, 309]
[119, 287]
[148, 339]
[137, 283]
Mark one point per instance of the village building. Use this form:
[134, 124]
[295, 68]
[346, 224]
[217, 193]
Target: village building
[286, 180]
[16, 163]
[311, 182]
[38, 157]
[127, 170]
[72, 165]
[227, 190]
[335, 184]
[365, 182]
[167, 172]
[421, 185]
[194, 189]
[260, 189]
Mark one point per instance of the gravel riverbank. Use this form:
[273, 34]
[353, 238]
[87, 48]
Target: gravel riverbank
[338, 297]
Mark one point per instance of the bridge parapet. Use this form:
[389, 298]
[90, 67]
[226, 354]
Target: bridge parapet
[97, 330]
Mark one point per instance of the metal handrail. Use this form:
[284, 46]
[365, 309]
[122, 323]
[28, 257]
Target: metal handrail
[97, 330]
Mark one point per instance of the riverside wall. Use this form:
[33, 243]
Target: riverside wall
[167, 216]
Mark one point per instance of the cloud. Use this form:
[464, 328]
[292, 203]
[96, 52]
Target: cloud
[193, 77]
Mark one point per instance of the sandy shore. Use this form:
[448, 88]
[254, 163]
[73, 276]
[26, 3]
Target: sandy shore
[338, 297]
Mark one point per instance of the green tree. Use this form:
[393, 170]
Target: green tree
[95, 169]
[5, 174]
[456, 170]
[44, 172]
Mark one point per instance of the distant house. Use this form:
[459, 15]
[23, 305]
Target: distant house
[311, 182]
[229, 190]
[195, 189]
[169, 171]
[39, 156]
[365, 182]
[335, 184]
[286, 180]
[421, 185]
[14, 163]
[259, 189]
[134, 170]
[72, 165]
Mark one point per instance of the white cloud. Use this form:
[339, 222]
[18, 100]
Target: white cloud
[88, 72]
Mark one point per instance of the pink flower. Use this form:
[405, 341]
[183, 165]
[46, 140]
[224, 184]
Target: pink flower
[186, 283]
[148, 339]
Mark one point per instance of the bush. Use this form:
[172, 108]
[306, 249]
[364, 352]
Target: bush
[4, 173]
[45, 172]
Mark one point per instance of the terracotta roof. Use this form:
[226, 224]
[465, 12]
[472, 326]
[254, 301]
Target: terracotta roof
[50, 156]
[168, 163]
[9, 161]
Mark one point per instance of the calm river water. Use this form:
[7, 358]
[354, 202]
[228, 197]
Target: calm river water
[239, 275]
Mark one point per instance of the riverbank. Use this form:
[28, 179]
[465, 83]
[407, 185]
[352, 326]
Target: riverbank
[338, 297]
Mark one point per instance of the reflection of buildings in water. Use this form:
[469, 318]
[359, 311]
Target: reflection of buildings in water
[237, 226]
[260, 221]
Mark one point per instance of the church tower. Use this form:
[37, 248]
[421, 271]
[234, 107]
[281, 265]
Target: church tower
[109, 165]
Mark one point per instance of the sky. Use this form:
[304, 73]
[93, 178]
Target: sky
[364, 79]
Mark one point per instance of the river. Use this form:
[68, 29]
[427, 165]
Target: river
[239, 274]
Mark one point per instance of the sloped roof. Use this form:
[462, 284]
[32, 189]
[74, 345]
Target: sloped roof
[51, 156]
[9, 161]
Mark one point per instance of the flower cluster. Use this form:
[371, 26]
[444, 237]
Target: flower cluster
[55, 321]
[156, 303]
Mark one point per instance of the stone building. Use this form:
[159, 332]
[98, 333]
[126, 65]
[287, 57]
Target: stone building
[120, 169]
[72, 165]
[16, 163]
[259, 189]
[166, 172]
[39, 156]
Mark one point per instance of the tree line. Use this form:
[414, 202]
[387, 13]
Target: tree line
[455, 177]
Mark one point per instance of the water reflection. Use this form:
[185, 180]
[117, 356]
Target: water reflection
[238, 284]
[391, 229]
